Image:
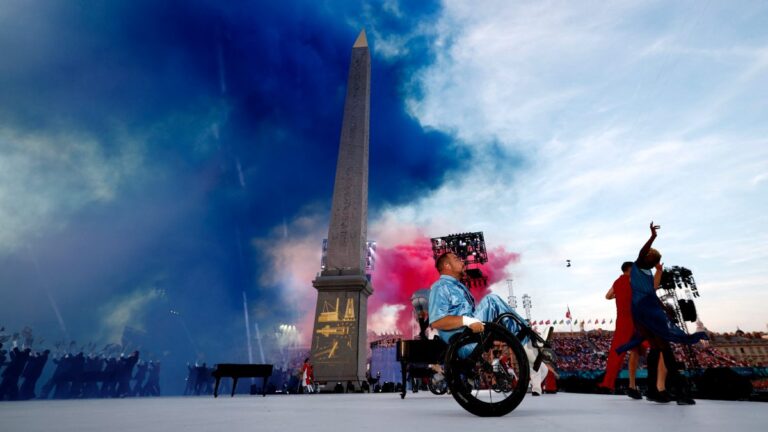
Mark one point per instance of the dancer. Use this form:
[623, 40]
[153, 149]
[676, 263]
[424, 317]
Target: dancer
[625, 328]
[653, 325]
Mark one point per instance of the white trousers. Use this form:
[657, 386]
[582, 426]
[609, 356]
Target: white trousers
[537, 378]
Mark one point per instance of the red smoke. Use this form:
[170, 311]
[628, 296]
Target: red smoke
[405, 268]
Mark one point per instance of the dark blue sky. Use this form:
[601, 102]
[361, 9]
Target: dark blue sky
[156, 139]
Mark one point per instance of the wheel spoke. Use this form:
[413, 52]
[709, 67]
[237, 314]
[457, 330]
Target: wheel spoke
[497, 364]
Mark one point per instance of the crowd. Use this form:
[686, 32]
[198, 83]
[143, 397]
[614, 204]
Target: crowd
[78, 376]
[589, 351]
[707, 357]
[580, 353]
[107, 374]
[199, 380]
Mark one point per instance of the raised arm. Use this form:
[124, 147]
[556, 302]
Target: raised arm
[649, 243]
[657, 276]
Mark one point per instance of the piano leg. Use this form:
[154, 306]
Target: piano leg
[216, 387]
[234, 386]
[403, 367]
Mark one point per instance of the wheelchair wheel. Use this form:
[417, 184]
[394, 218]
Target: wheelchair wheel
[482, 386]
[438, 384]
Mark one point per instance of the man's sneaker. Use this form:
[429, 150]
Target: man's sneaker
[533, 393]
[658, 396]
[685, 400]
[634, 393]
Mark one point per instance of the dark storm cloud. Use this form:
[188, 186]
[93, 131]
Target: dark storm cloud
[234, 111]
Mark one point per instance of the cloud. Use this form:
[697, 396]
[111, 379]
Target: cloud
[130, 310]
[601, 112]
[44, 179]
[385, 319]
[293, 259]
[174, 140]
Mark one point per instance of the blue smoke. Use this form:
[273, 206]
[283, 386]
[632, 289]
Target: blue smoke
[237, 107]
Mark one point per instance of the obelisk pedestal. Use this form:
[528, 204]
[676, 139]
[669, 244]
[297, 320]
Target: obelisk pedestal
[340, 331]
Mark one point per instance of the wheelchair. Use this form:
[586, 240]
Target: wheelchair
[488, 373]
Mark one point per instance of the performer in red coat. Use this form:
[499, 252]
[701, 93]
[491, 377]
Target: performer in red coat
[625, 328]
[307, 376]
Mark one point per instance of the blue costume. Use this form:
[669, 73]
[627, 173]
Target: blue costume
[649, 316]
[448, 296]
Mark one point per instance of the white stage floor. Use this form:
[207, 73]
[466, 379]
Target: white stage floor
[376, 412]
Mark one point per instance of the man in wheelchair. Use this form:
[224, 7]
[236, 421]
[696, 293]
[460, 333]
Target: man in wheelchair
[452, 308]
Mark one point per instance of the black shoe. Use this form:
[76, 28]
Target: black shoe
[634, 393]
[685, 400]
[533, 393]
[658, 396]
[603, 390]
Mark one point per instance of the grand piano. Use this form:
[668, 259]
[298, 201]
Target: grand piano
[236, 371]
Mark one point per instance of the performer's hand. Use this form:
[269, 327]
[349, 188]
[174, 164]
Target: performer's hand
[473, 323]
[477, 327]
[659, 267]
[654, 228]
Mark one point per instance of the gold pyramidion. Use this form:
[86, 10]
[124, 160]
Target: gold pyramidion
[362, 41]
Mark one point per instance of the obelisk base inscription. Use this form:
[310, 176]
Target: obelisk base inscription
[340, 335]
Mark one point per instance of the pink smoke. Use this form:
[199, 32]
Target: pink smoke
[405, 268]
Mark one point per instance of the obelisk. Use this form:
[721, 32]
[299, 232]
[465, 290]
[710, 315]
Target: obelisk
[340, 331]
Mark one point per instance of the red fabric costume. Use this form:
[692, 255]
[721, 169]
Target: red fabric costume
[550, 383]
[625, 328]
[307, 374]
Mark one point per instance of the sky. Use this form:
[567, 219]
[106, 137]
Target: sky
[160, 159]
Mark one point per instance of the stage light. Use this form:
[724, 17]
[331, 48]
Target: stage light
[468, 247]
[462, 245]
[527, 305]
[682, 309]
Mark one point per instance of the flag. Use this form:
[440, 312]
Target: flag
[562, 321]
[568, 312]
[547, 323]
[611, 321]
[603, 321]
[569, 322]
[589, 322]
